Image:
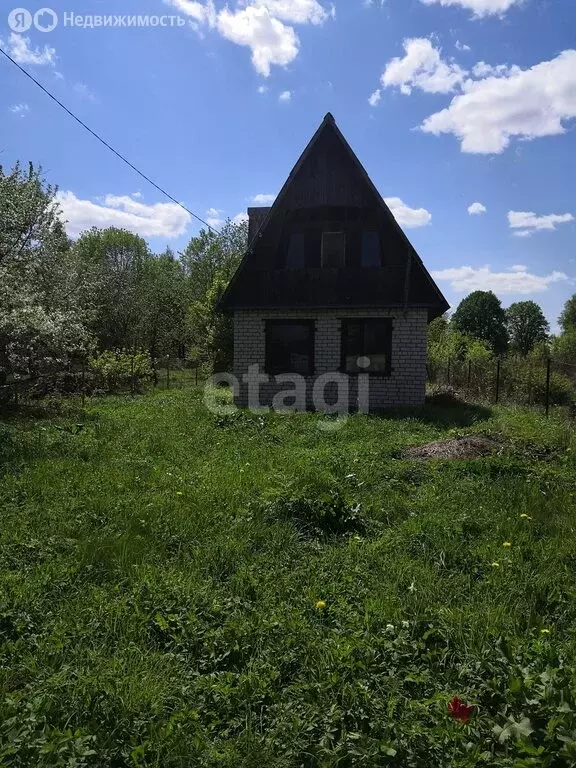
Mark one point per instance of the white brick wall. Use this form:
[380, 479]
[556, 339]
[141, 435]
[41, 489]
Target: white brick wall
[404, 387]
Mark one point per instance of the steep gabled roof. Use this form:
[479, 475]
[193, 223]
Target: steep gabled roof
[328, 173]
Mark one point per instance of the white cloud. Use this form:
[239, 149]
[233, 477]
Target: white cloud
[262, 89]
[295, 11]
[422, 67]
[462, 46]
[406, 216]
[84, 92]
[527, 103]
[479, 7]
[199, 12]
[527, 222]
[375, 97]
[240, 217]
[481, 70]
[476, 209]
[518, 268]
[261, 25]
[262, 199]
[214, 218]
[285, 96]
[514, 281]
[20, 109]
[156, 220]
[19, 48]
[270, 41]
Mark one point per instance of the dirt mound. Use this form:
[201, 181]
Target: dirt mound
[458, 448]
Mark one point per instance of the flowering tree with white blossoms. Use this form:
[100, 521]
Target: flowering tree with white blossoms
[41, 323]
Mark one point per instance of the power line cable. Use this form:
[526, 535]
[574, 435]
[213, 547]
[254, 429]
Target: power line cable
[105, 143]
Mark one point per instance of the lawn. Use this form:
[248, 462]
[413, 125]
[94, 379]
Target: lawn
[181, 589]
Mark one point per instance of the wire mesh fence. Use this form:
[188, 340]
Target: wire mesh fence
[82, 380]
[538, 383]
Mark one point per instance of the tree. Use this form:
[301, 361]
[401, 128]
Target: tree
[210, 254]
[564, 347]
[480, 315]
[211, 331]
[526, 326]
[41, 322]
[567, 319]
[163, 301]
[112, 261]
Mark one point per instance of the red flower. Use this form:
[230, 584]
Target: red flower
[459, 710]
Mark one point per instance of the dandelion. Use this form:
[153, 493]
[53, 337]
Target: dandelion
[179, 493]
[320, 605]
[507, 544]
[459, 710]
[544, 631]
[389, 627]
[525, 517]
[495, 565]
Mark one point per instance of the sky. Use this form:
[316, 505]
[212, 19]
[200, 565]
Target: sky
[462, 112]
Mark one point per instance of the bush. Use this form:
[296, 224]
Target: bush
[121, 370]
[526, 383]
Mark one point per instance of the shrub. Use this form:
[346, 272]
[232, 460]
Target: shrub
[119, 370]
[326, 514]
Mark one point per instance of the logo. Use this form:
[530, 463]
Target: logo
[45, 20]
[20, 20]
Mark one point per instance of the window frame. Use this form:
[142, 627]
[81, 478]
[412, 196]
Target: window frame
[364, 232]
[310, 324]
[343, 234]
[291, 236]
[345, 322]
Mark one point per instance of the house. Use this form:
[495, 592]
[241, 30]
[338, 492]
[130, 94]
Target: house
[331, 287]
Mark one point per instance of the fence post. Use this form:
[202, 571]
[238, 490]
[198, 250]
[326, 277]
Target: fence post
[168, 372]
[548, 367]
[497, 382]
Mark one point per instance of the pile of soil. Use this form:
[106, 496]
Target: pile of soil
[467, 447]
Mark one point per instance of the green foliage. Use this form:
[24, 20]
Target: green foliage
[120, 370]
[526, 326]
[525, 382]
[41, 322]
[567, 319]
[112, 261]
[480, 315]
[155, 612]
[564, 347]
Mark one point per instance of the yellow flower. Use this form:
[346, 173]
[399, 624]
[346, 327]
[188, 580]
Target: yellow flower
[507, 544]
[545, 631]
[525, 517]
[320, 605]
[495, 565]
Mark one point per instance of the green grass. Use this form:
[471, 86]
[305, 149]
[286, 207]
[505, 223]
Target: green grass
[160, 568]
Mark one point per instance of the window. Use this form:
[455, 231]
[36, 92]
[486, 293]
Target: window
[296, 251]
[371, 249]
[367, 346]
[333, 249]
[290, 347]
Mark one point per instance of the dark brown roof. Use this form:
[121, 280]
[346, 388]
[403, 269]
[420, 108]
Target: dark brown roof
[328, 173]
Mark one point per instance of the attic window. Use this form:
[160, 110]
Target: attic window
[333, 249]
[296, 252]
[371, 250]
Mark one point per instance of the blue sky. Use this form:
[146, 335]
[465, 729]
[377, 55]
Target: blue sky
[447, 103]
